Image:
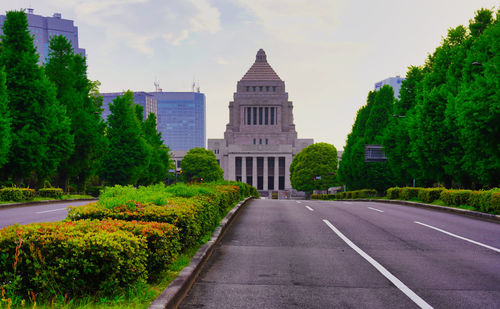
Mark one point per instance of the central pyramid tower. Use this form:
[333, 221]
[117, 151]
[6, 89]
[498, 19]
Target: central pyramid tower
[260, 139]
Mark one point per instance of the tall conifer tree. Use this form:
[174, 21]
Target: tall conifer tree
[5, 138]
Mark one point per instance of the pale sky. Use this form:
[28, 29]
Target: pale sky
[330, 53]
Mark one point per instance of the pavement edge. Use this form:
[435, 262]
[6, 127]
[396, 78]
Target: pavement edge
[35, 203]
[178, 289]
[459, 211]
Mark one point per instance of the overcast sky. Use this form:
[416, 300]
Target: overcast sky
[330, 53]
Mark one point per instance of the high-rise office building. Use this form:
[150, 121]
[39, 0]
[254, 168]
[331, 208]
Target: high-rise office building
[260, 139]
[394, 82]
[181, 119]
[44, 28]
[147, 101]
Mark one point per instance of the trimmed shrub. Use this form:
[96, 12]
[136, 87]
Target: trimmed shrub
[455, 197]
[322, 196]
[57, 259]
[429, 195]
[16, 194]
[495, 202]
[56, 193]
[364, 193]
[393, 193]
[408, 193]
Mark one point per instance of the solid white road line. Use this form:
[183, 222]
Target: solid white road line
[42, 212]
[375, 209]
[400, 285]
[309, 208]
[459, 237]
[299, 202]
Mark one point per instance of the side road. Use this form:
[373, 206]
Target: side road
[44, 211]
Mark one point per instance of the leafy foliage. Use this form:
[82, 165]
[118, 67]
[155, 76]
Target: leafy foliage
[314, 168]
[200, 165]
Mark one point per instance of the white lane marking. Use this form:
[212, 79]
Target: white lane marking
[400, 285]
[309, 208]
[299, 202]
[347, 203]
[375, 209]
[459, 237]
[42, 212]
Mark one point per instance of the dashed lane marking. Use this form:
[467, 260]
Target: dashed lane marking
[375, 209]
[42, 212]
[309, 208]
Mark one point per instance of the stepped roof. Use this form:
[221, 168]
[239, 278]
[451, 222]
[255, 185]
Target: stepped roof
[260, 70]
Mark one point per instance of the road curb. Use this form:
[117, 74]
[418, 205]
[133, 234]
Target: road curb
[23, 204]
[460, 211]
[178, 289]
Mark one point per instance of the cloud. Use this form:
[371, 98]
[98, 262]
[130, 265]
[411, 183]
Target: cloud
[296, 20]
[140, 23]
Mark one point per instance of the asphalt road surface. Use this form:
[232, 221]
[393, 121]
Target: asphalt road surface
[36, 213]
[315, 254]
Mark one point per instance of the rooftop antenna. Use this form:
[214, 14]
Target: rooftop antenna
[193, 85]
[198, 88]
[157, 86]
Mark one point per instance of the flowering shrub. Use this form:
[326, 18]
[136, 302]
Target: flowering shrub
[60, 259]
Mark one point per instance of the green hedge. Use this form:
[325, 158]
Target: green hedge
[57, 259]
[429, 195]
[365, 193]
[56, 193]
[17, 194]
[322, 196]
[482, 200]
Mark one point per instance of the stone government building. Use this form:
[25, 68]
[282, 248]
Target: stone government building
[260, 139]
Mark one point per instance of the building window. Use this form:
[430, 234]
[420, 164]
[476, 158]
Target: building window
[248, 88]
[249, 115]
[254, 141]
[274, 88]
[254, 88]
[255, 115]
[267, 141]
[260, 88]
[272, 115]
[260, 141]
[178, 163]
[267, 88]
[266, 114]
[260, 115]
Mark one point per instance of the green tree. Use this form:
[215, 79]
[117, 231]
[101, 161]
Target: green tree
[40, 127]
[5, 121]
[68, 72]
[314, 168]
[160, 161]
[124, 160]
[200, 164]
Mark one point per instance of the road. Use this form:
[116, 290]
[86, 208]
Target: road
[317, 254]
[36, 213]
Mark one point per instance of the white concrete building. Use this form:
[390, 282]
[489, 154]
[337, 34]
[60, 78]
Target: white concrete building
[394, 82]
[260, 139]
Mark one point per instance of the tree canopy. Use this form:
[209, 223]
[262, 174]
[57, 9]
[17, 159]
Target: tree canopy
[200, 164]
[314, 168]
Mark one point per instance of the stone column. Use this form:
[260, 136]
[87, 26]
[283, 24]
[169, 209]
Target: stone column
[254, 172]
[276, 173]
[232, 167]
[288, 161]
[244, 169]
[265, 174]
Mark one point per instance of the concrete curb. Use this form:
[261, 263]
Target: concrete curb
[178, 289]
[23, 204]
[460, 211]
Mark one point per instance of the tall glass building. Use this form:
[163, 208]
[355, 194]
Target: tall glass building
[44, 28]
[181, 119]
[147, 101]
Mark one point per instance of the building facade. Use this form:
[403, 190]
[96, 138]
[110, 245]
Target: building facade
[147, 101]
[181, 119]
[394, 82]
[44, 28]
[260, 140]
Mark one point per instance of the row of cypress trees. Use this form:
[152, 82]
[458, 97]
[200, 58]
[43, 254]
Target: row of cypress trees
[447, 125]
[50, 120]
